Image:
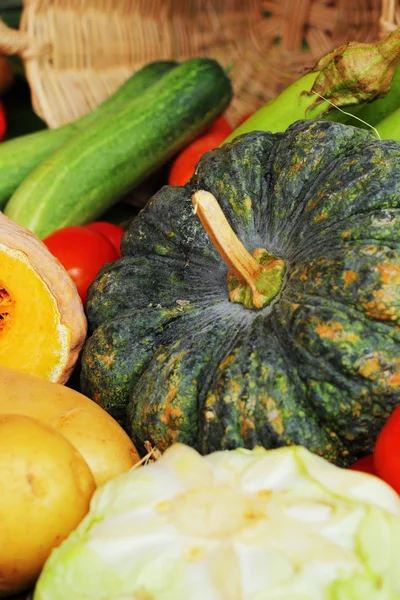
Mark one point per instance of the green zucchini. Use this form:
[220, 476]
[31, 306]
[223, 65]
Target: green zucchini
[19, 156]
[91, 171]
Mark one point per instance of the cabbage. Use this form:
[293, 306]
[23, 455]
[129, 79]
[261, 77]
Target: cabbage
[234, 525]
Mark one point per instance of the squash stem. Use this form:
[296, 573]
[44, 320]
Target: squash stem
[253, 279]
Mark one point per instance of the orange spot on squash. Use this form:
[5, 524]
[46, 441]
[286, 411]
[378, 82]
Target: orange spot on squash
[389, 273]
[226, 361]
[394, 380]
[329, 331]
[320, 217]
[296, 166]
[349, 277]
[107, 359]
[371, 366]
[246, 426]
[335, 332]
[171, 413]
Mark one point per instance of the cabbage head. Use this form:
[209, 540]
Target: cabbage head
[279, 524]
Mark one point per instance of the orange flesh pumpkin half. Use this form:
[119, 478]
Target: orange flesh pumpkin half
[42, 321]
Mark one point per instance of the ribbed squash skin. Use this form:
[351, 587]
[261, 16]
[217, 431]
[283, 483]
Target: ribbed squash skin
[319, 366]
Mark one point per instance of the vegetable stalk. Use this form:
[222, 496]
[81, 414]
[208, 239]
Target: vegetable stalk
[371, 113]
[253, 279]
[353, 74]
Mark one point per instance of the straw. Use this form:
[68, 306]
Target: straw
[76, 53]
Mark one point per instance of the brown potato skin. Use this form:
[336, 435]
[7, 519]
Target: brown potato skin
[46, 487]
[101, 441]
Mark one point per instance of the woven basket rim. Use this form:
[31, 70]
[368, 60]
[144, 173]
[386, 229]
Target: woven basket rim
[71, 69]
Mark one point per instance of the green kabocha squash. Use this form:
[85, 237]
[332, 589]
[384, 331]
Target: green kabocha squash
[269, 317]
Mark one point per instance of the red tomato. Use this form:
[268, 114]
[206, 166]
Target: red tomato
[220, 125]
[82, 252]
[185, 163]
[365, 464]
[111, 231]
[387, 451]
[3, 124]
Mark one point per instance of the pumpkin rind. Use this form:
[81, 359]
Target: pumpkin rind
[47, 326]
[318, 366]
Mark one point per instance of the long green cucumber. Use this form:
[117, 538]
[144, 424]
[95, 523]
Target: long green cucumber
[97, 166]
[352, 75]
[18, 157]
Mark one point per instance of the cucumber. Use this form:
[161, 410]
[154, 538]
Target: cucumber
[18, 157]
[91, 171]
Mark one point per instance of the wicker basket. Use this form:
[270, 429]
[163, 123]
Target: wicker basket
[77, 52]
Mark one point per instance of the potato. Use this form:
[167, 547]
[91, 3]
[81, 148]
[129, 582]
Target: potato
[46, 487]
[103, 443]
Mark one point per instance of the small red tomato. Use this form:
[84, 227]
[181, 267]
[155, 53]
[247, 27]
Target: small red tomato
[3, 123]
[82, 252]
[111, 231]
[185, 163]
[387, 451]
[365, 464]
[220, 125]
